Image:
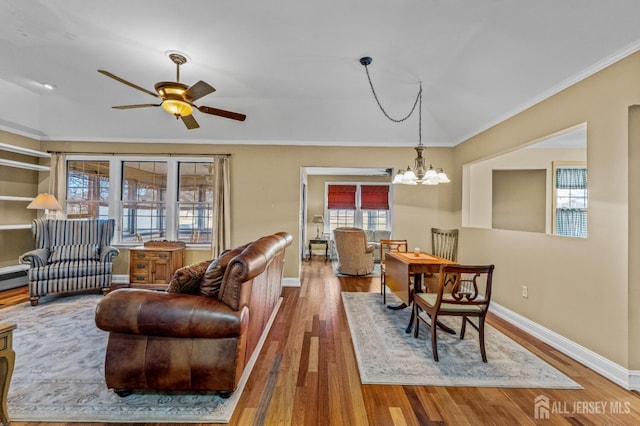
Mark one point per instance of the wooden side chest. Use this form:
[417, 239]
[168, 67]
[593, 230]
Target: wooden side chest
[153, 265]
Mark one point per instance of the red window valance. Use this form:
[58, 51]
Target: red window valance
[374, 197]
[341, 197]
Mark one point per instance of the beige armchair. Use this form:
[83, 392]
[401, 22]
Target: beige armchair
[355, 256]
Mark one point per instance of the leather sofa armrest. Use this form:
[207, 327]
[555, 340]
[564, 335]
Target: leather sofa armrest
[148, 312]
[107, 253]
[36, 258]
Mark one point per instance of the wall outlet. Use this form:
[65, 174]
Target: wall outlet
[525, 291]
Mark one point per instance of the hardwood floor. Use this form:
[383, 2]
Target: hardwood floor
[307, 374]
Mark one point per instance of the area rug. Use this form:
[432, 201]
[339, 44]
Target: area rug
[59, 372]
[387, 355]
[374, 273]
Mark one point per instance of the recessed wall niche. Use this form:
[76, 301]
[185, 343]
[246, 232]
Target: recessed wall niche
[514, 190]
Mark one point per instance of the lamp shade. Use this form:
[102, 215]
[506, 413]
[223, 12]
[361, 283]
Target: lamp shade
[317, 219]
[44, 202]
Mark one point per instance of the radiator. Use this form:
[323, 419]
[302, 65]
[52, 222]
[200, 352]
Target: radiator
[13, 276]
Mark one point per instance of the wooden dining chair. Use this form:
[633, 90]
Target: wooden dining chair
[463, 291]
[444, 243]
[385, 246]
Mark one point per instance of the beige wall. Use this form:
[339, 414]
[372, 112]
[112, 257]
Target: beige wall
[266, 179]
[577, 287]
[519, 200]
[477, 191]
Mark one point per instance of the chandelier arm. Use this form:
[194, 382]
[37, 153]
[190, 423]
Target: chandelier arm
[375, 95]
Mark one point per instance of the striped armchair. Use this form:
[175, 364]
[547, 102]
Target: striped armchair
[70, 255]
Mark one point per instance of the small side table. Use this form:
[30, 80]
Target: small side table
[322, 241]
[7, 361]
[153, 265]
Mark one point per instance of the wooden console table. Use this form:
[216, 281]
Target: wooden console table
[153, 265]
[7, 361]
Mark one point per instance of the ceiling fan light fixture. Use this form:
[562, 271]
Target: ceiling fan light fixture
[178, 98]
[177, 107]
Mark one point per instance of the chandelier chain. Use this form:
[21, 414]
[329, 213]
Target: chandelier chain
[413, 108]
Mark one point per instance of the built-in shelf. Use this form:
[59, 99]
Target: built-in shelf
[11, 198]
[21, 165]
[21, 150]
[9, 227]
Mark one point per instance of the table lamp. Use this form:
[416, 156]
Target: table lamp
[45, 202]
[318, 219]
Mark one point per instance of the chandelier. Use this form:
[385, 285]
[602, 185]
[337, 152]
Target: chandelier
[420, 172]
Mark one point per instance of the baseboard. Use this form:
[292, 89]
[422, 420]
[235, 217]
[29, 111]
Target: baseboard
[628, 379]
[634, 380]
[120, 279]
[291, 282]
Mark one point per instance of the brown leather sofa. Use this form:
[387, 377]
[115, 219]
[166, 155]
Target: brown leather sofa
[200, 339]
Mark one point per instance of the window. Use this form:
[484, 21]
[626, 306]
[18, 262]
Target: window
[374, 203]
[150, 198]
[87, 189]
[195, 202]
[570, 199]
[358, 205]
[144, 200]
[341, 218]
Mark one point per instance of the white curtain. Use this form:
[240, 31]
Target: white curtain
[221, 233]
[58, 181]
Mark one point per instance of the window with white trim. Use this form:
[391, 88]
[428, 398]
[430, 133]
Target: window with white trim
[151, 198]
[570, 199]
[87, 189]
[360, 205]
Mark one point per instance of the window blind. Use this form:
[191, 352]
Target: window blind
[341, 197]
[374, 197]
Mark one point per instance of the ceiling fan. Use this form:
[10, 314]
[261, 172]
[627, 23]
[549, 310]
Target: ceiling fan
[178, 98]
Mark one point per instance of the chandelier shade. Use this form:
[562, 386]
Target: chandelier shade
[420, 174]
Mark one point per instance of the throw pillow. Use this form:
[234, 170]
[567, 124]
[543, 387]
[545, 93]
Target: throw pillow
[74, 252]
[186, 280]
[212, 280]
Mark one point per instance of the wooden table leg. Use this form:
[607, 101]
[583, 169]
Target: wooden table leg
[7, 361]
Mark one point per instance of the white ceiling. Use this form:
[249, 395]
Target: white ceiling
[292, 66]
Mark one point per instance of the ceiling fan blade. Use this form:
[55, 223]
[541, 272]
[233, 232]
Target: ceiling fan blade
[123, 81]
[190, 122]
[136, 106]
[198, 90]
[222, 113]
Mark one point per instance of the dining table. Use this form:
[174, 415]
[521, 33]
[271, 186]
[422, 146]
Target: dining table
[400, 267]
